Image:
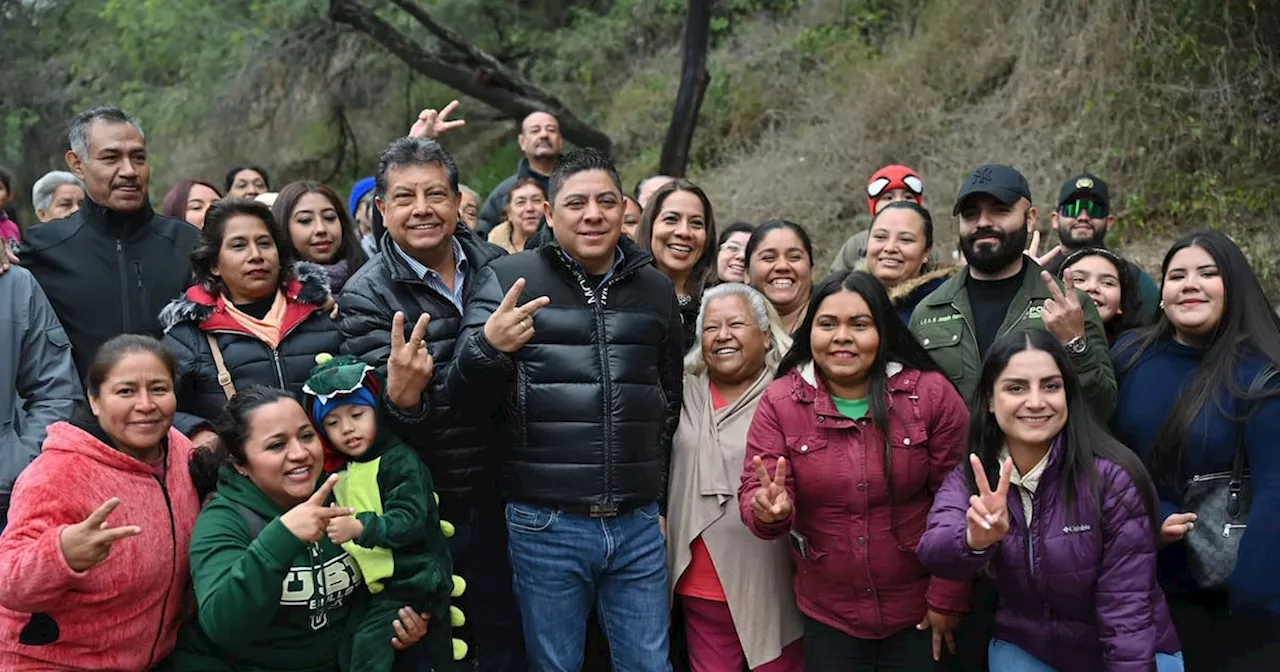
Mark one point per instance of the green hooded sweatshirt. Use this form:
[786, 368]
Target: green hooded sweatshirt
[259, 608]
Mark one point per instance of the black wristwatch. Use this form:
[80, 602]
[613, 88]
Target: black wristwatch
[1077, 345]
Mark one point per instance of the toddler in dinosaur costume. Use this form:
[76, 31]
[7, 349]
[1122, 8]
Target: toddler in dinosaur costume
[396, 535]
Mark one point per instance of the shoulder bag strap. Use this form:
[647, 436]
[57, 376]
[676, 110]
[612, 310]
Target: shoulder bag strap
[224, 377]
[1236, 484]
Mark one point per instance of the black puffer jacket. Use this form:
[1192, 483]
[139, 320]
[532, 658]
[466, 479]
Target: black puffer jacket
[308, 331]
[591, 402]
[455, 443]
[108, 273]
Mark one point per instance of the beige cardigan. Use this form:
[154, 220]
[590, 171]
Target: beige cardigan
[707, 458]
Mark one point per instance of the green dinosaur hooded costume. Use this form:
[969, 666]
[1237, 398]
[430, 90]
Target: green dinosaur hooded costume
[402, 551]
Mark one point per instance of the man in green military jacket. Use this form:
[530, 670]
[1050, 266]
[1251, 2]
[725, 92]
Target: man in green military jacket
[1003, 289]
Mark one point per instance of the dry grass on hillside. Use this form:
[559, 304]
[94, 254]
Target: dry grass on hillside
[1050, 87]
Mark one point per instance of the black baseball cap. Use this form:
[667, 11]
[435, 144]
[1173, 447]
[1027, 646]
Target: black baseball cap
[1088, 185]
[1005, 183]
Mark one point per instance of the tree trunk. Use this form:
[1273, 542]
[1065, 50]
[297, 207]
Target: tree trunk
[482, 77]
[693, 87]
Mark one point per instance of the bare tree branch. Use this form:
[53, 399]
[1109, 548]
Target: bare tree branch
[483, 77]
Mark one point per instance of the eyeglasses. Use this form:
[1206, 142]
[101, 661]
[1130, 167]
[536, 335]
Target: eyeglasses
[877, 187]
[1073, 209]
[732, 247]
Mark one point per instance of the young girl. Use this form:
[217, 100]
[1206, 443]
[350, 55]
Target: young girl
[396, 535]
[1112, 284]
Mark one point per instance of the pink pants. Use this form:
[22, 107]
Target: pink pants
[713, 641]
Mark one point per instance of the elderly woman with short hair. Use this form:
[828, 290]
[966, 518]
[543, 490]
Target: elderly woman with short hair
[734, 589]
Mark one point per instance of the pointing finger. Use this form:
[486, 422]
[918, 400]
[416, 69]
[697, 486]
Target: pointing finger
[99, 516]
[509, 300]
[322, 493]
[761, 472]
[535, 305]
[397, 331]
[115, 534]
[1054, 291]
[419, 328]
[1006, 472]
[979, 475]
[336, 512]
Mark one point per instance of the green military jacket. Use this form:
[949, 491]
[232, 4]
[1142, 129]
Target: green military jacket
[943, 323]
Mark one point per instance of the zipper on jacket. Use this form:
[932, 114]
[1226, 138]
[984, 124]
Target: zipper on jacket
[1031, 550]
[124, 287]
[173, 562]
[275, 359]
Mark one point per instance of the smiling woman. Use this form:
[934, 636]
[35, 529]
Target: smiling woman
[857, 389]
[780, 265]
[319, 229]
[254, 316]
[677, 229]
[94, 561]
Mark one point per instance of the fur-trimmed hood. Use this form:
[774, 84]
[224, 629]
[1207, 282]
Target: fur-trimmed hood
[310, 286]
[929, 279]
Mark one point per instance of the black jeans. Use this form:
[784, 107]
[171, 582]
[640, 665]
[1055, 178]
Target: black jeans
[492, 632]
[1214, 640]
[829, 650]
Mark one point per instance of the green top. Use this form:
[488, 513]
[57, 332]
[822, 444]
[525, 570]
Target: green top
[259, 607]
[851, 408]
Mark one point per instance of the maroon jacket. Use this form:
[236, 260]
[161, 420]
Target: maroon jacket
[861, 575]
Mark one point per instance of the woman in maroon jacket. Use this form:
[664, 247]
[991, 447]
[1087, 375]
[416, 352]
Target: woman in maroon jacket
[858, 432]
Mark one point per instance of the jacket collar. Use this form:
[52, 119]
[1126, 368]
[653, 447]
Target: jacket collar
[117, 223]
[85, 437]
[479, 254]
[904, 290]
[633, 256]
[1032, 286]
[808, 387]
[306, 293]
[523, 170]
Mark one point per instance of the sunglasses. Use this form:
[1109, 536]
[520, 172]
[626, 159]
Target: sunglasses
[1074, 208]
[877, 186]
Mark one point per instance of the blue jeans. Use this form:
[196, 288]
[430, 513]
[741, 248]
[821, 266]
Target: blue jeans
[1006, 657]
[564, 565]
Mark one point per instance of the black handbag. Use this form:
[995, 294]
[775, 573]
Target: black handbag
[1221, 503]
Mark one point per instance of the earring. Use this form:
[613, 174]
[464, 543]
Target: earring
[1162, 305]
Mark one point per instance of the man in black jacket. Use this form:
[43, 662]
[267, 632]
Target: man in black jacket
[587, 378]
[428, 265]
[541, 143]
[109, 268]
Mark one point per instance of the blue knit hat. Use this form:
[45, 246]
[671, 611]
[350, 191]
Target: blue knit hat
[359, 191]
[361, 397]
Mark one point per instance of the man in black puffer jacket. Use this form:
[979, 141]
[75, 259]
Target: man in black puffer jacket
[109, 268]
[578, 344]
[428, 265]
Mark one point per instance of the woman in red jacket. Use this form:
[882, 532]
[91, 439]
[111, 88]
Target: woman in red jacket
[93, 565]
[858, 432]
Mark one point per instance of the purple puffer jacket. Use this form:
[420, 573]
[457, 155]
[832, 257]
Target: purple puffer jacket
[1080, 597]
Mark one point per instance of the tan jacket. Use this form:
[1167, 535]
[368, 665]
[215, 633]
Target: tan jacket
[706, 466]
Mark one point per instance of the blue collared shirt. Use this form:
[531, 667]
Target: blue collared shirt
[434, 280]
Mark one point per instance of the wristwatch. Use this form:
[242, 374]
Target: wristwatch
[1077, 345]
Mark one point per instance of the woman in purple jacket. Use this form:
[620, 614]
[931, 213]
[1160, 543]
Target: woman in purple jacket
[1069, 532]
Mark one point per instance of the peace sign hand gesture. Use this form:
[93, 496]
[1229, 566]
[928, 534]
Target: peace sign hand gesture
[309, 521]
[432, 123]
[771, 503]
[87, 543]
[988, 515]
[1034, 250]
[511, 326]
[1063, 314]
[410, 365]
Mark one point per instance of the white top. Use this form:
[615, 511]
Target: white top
[1026, 484]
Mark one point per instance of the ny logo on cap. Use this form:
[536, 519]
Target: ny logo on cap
[981, 175]
[1084, 183]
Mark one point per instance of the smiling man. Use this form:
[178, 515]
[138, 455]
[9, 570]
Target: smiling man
[541, 143]
[427, 264]
[109, 268]
[1003, 289]
[578, 346]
